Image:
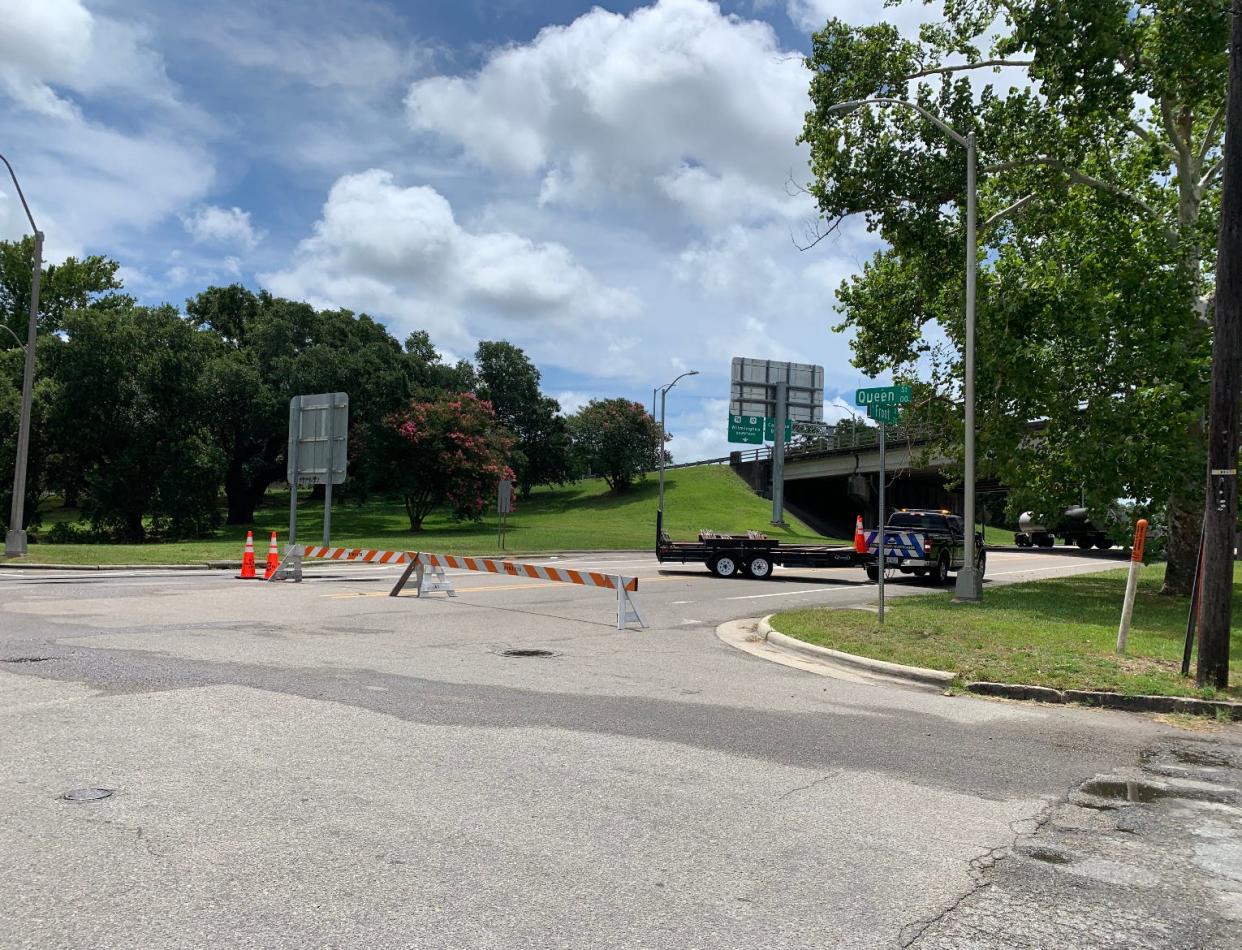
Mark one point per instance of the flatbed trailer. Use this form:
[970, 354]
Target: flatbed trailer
[753, 554]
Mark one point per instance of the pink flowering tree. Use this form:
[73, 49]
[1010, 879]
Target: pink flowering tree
[616, 439]
[448, 451]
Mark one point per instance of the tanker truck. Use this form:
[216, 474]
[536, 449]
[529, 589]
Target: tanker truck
[1074, 526]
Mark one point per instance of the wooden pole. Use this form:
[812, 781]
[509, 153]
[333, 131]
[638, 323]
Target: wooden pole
[1221, 510]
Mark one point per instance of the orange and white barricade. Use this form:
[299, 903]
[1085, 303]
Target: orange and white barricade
[429, 573]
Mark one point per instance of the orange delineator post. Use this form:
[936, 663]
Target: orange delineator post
[273, 559]
[1127, 604]
[247, 571]
[860, 538]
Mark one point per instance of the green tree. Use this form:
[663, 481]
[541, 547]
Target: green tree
[129, 395]
[446, 451]
[510, 382]
[616, 439]
[273, 349]
[70, 285]
[1098, 206]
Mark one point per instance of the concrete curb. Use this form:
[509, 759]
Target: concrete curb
[117, 567]
[916, 674]
[236, 565]
[1106, 700]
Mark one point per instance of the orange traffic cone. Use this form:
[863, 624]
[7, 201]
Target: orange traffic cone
[248, 573]
[860, 538]
[273, 559]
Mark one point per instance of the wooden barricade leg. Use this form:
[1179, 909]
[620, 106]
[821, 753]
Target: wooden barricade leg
[405, 575]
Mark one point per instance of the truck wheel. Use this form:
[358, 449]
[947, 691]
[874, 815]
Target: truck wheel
[760, 568]
[873, 573]
[724, 566]
[981, 565]
[1103, 543]
[941, 576]
[1084, 544]
[1045, 540]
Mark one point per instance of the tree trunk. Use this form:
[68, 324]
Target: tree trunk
[413, 513]
[133, 530]
[1221, 510]
[1185, 516]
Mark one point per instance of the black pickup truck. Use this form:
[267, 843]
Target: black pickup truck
[925, 544]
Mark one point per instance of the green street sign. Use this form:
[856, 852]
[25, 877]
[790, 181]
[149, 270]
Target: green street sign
[747, 429]
[769, 429]
[889, 415]
[883, 395]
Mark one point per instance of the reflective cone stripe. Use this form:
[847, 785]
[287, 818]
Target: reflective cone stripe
[273, 558]
[247, 571]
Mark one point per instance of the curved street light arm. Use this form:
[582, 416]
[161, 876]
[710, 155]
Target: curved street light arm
[18, 339]
[939, 123]
[29, 217]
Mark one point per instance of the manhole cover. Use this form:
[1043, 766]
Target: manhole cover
[528, 653]
[87, 794]
[28, 659]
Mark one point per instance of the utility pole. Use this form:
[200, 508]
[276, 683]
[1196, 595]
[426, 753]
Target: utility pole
[1221, 510]
[15, 538]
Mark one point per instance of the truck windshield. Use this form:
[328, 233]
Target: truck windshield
[918, 520]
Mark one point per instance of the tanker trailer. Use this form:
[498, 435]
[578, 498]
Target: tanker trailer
[1074, 526]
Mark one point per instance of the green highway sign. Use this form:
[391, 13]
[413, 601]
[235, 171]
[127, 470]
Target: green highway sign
[746, 429]
[883, 395]
[890, 415]
[769, 429]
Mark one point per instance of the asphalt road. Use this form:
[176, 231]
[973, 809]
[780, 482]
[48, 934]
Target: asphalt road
[320, 765]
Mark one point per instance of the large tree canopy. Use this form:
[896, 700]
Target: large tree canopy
[1099, 147]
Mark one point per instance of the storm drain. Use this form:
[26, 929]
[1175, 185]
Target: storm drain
[87, 794]
[535, 654]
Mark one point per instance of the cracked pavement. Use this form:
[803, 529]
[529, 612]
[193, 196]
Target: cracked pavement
[319, 765]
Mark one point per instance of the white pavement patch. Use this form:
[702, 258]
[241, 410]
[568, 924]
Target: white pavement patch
[265, 820]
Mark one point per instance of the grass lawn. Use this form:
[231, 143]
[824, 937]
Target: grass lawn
[583, 516]
[1060, 633]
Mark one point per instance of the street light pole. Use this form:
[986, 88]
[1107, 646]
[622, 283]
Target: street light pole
[15, 538]
[969, 582]
[663, 390]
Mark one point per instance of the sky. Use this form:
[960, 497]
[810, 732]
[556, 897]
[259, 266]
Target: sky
[605, 186]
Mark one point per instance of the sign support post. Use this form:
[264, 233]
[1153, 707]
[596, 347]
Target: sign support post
[880, 530]
[778, 453]
[327, 484]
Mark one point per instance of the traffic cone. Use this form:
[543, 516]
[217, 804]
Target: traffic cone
[273, 559]
[860, 538]
[248, 573]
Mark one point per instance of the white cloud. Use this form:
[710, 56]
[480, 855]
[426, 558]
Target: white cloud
[571, 401]
[400, 251]
[53, 45]
[811, 15]
[675, 103]
[90, 182]
[223, 226]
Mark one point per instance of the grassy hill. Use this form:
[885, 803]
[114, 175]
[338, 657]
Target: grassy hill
[583, 516]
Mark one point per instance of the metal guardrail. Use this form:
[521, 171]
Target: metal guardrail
[826, 440]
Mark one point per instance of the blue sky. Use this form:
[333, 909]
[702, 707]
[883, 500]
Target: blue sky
[603, 186]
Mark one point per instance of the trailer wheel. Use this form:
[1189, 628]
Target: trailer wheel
[723, 566]
[1045, 540]
[1103, 543]
[759, 567]
[1084, 543]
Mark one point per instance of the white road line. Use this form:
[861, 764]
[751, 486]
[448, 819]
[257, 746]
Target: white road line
[784, 593]
[680, 603]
